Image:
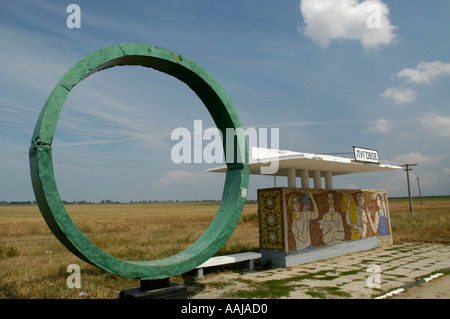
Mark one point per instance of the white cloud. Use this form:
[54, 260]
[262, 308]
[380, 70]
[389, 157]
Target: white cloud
[400, 95]
[381, 125]
[425, 72]
[446, 170]
[427, 168]
[437, 124]
[429, 179]
[425, 161]
[366, 21]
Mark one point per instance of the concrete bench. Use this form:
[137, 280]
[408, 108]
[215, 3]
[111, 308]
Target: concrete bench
[247, 258]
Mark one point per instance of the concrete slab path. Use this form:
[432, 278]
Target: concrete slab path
[362, 275]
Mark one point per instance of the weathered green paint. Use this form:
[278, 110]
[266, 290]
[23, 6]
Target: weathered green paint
[44, 184]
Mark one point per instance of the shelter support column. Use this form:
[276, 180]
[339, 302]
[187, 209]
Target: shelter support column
[317, 179]
[304, 174]
[328, 180]
[291, 177]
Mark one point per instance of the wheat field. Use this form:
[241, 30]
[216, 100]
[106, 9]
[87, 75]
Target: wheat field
[33, 263]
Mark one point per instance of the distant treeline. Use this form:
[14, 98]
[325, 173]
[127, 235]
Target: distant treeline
[249, 201]
[432, 197]
[17, 202]
[107, 201]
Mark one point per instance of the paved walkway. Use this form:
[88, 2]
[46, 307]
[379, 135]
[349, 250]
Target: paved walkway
[362, 275]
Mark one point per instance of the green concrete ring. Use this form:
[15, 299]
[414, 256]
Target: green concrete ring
[224, 115]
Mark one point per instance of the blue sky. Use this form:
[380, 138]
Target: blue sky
[311, 68]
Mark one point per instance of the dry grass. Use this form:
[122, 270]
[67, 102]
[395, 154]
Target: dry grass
[33, 263]
[430, 221]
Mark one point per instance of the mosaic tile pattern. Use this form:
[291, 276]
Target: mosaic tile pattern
[293, 219]
[271, 219]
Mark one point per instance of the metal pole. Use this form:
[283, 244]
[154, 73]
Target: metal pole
[409, 190]
[407, 169]
[420, 193]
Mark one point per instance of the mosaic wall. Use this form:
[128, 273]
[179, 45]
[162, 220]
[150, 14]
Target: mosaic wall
[292, 219]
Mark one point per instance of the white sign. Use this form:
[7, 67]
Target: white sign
[365, 155]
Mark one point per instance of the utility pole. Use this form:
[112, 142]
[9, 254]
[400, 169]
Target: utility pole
[420, 193]
[407, 169]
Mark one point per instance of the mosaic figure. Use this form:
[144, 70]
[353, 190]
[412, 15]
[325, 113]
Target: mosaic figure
[381, 219]
[358, 228]
[351, 215]
[363, 217]
[300, 223]
[331, 224]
